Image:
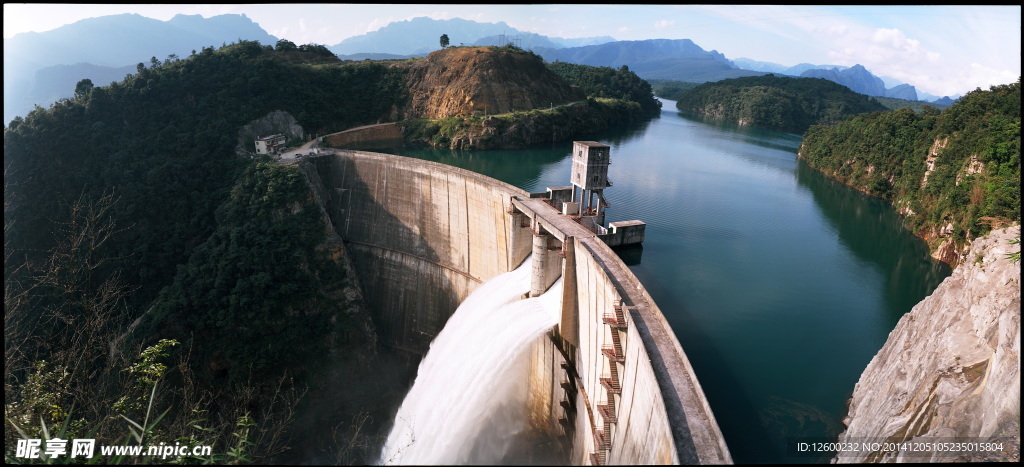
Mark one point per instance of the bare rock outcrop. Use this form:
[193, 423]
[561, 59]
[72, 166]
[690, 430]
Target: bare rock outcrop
[950, 370]
[478, 80]
[276, 122]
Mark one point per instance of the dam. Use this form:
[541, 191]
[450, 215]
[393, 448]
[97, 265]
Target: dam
[611, 382]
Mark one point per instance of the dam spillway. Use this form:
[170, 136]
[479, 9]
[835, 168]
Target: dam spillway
[612, 381]
[481, 350]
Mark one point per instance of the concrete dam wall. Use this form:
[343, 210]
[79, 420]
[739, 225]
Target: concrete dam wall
[611, 382]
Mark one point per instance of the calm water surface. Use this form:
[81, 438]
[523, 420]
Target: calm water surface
[780, 284]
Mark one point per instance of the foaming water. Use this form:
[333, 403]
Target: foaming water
[468, 402]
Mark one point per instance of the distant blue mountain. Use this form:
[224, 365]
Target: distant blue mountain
[676, 59]
[902, 91]
[420, 36]
[857, 78]
[103, 46]
[755, 65]
[799, 69]
[40, 68]
[528, 41]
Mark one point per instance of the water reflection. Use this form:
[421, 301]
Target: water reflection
[630, 254]
[860, 222]
[622, 133]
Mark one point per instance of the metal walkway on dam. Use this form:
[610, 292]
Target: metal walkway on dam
[612, 381]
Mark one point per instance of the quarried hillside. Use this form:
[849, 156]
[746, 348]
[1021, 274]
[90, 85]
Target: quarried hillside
[504, 97]
[481, 80]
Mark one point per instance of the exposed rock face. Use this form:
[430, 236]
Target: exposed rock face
[951, 367]
[467, 80]
[276, 122]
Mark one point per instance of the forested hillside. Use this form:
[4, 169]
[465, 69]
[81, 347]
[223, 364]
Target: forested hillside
[162, 142]
[953, 173]
[603, 81]
[107, 193]
[779, 103]
[670, 89]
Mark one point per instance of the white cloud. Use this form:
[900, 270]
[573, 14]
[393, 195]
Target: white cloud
[378, 23]
[837, 31]
[966, 79]
[896, 40]
[663, 24]
[890, 52]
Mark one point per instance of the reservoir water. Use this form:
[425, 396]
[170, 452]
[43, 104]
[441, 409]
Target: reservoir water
[780, 283]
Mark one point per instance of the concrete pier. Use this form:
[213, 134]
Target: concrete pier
[540, 260]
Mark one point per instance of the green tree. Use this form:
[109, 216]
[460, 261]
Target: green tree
[83, 88]
[444, 40]
[285, 45]
[608, 82]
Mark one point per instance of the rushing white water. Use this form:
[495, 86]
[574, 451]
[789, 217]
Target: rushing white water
[468, 402]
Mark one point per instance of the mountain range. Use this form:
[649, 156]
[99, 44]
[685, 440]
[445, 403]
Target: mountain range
[420, 36]
[41, 68]
[678, 59]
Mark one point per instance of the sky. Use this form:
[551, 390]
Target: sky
[941, 50]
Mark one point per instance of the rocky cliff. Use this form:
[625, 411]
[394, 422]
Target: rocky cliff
[950, 370]
[480, 80]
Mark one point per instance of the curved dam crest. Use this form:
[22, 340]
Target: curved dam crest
[612, 383]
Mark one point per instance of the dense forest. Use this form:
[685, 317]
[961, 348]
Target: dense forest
[125, 190]
[603, 81]
[170, 168]
[674, 90]
[779, 103]
[670, 89]
[953, 173]
[893, 103]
